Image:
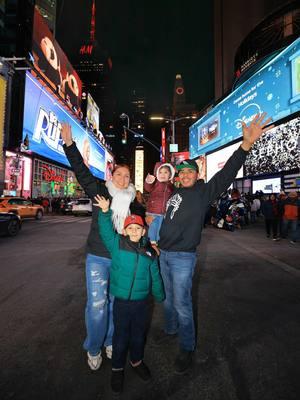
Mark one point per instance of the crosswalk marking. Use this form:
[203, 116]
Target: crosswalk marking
[61, 220]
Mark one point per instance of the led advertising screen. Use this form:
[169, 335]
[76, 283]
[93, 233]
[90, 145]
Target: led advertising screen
[109, 165]
[269, 185]
[277, 150]
[43, 118]
[291, 182]
[92, 112]
[274, 89]
[2, 119]
[51, 62]
[216, 161]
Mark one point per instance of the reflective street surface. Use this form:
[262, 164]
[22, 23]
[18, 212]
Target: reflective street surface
[247, 307]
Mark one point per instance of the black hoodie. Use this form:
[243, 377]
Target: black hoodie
[186, 208]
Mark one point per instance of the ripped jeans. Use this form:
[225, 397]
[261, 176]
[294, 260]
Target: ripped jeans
[98, 311]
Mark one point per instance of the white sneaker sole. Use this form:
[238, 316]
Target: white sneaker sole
[94, 362]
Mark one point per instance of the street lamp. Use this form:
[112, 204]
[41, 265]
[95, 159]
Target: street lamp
[173, 121]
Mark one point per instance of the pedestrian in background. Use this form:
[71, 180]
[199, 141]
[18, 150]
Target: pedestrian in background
[291, 214]
[269, 208]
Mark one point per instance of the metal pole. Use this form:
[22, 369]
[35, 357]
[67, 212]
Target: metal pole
[173, 131]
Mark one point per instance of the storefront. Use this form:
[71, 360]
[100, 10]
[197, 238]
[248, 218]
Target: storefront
[18, 175]
[49, 180]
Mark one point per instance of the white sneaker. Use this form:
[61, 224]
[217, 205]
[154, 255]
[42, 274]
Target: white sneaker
[94, 361]
[109, 351]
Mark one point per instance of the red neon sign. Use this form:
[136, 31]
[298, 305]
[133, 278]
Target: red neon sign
[163, 144]
[50, 175]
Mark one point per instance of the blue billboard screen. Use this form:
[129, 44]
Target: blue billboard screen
[275, 89]
[43, 118]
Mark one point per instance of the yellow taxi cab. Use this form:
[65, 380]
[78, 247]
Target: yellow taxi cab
[22, 207]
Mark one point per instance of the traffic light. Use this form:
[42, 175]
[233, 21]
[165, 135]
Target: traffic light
[124, 136]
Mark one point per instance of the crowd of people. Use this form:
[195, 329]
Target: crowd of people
[280, 212]
[126, 260]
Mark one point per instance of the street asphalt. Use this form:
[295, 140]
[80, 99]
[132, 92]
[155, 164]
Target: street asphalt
[247, 308]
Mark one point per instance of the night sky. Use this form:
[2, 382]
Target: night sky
[149, 42]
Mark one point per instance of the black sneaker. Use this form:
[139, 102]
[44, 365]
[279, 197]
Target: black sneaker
[162, 337]
[183, 361]
[116, 381]
[142, 371]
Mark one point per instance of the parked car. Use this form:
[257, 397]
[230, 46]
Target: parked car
[10, 224]
[67, 207]
[22, 207]
[82, 206]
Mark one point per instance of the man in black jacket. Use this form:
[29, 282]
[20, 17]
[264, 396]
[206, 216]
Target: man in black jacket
[180, 235]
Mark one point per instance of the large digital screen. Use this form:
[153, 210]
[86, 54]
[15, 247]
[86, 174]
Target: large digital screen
[43, 118]
[274, 89]
[269, 185]
[2, 119]
[92, 112]
[216, 161]
[51, 62]
[277, 150]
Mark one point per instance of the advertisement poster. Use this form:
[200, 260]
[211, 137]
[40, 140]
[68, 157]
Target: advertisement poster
[109, 165]
[92, 112]
[43, 119]
[51, 62]
[216, 161]
[275, 89]
[2, 120]
[277, 150]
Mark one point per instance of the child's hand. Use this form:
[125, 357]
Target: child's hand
[150, 178]
[102, 203]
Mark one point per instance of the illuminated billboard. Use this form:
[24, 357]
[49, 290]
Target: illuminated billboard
[109, 165]
[92, 112]
[269, 185]
[216, 161]
[2, 119]
[277, 150]
[139, 169]
[43, 118]
[51, 62]
[275, 89]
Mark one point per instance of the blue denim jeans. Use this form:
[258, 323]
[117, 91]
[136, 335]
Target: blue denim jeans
[98, 311]
[177, 269]
[289, 224]
[154, 227]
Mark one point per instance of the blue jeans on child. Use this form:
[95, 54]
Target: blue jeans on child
[154, 227]
[98, 311]
[130, 323]
[177, 269]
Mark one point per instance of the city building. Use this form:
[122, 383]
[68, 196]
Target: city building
[47, 9]
[38, 94]
[262, 69]
[233, 22]
[94, 67]
[180, 110]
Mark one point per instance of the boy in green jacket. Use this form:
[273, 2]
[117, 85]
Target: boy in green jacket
[134, 275]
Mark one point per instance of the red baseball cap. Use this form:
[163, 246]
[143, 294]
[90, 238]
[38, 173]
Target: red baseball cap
[133, 219]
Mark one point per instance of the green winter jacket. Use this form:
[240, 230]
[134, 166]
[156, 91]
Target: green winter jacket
[134, 272]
